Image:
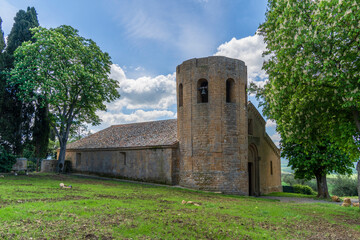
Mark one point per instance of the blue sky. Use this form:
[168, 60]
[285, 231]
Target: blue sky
[147, 39]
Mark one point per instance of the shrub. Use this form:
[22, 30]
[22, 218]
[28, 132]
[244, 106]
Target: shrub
[288, 189]
[291, 181]
[303, 189]
[345, 186]
[6, 160]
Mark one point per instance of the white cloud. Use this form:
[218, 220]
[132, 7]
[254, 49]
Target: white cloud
[145, 92]
[7, 14]
[270, 123]
[276, 139]
[170, 24]
[139, 24]
[136, 116]
[249, 50]
[142, 99]
[117, 73]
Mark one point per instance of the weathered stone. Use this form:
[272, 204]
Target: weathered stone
[335, 198]
[346, 203]
[20, 165]
[48, 165]
[219, 143]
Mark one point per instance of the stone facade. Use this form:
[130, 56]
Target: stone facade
[143, 164]
[212, 133]
[218, 143]
[48, 165]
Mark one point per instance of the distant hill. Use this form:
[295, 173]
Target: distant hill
[286, 169]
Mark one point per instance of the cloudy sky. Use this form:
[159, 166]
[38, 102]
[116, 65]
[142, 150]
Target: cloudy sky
[147, 39]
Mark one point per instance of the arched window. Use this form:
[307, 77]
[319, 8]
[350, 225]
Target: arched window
[203, 91]
[180, 95]
[230, 91]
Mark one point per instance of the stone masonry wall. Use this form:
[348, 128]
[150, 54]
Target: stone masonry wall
[213, 135]
[149, 165]
[268, 155]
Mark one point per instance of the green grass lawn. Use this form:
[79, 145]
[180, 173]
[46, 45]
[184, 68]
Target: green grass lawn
[35, 207]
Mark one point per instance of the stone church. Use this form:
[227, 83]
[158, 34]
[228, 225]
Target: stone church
[218, 142]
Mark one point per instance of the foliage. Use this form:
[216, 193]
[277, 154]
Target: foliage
[312, 92]
[291, 181]
[6, 160]
[41, 132]
[35, 207]
[304, 189]
[319, 159]
[70, 72]
[345, 186]
[15, 114]
[313, 87]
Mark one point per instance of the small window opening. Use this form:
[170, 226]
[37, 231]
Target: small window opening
[230, 91]
[78, 159]
[180, 95]
[123, 157]
[203, 91]
[250, 127]
[271, 168]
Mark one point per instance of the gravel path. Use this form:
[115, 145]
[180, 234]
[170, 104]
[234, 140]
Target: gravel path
[305, 200]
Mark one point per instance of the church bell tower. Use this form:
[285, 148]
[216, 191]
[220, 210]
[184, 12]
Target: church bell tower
[212, 125]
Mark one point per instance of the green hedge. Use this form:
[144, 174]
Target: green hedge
[303, 189]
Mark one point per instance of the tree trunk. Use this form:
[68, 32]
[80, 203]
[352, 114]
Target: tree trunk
[322, 186]
[61, 159]
[358, 187]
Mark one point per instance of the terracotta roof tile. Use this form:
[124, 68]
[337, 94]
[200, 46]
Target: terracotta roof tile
[157, 133]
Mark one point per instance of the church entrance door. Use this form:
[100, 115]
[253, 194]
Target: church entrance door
[253, 171]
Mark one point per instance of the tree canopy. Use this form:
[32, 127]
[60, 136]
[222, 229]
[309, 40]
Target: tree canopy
[15, 115]
[313, 70]
[314, 78]
[318, 161]
[70, 73]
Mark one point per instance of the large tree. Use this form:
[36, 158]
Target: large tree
[16, 116]
[2, 64]
[318, 161]
[70, 72]
[313, 67]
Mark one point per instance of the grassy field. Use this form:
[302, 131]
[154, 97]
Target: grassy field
[34, 207]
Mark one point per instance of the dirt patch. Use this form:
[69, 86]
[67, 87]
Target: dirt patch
[348, 221]
[321, 229]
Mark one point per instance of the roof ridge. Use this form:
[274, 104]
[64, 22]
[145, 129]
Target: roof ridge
[136, 123]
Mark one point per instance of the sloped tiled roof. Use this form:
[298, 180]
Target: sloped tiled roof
[145, 134]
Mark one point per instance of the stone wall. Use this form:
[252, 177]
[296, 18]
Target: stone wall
[156, 164]
[268, 155]
[20, 165]
[48, 165]
[213, 134]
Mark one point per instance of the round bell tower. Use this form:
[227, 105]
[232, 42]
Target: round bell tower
[212, 124]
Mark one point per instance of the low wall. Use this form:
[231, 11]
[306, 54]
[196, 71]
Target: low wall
[48, 165]
[157, 164]
[20, 165]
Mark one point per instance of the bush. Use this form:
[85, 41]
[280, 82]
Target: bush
[288, 189]
[290, 180]
[303, 189]
[6, 160]
[345, 186]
